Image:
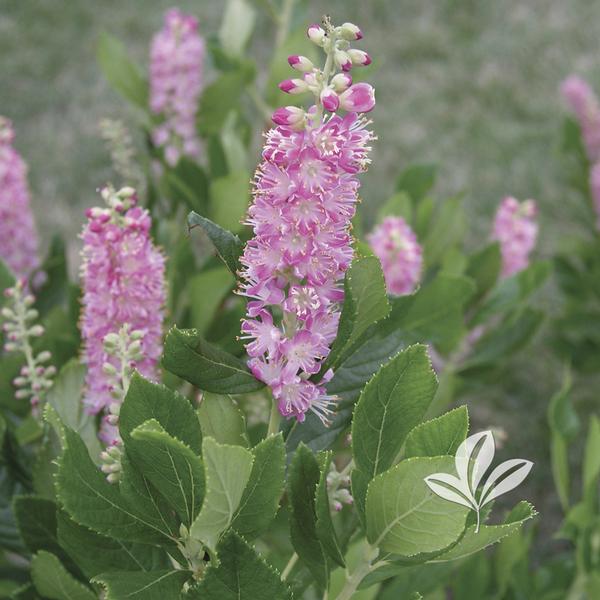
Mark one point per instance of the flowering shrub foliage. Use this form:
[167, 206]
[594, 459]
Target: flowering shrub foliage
[132, 481]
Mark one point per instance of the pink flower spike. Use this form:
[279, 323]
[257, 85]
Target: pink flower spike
[516, 230]
[288, 116]
[341, 82]
[358, 98]
[330, 100]
[359, 58]
[300, 63]
[293, 86]
[316, 34]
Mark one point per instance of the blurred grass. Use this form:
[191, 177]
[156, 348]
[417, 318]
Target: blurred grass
[468, 84]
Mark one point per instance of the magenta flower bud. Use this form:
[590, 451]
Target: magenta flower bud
[342, 60]
[330, 100]
[290, 116]
[316, 34]
[358, 98]
[293, 86]
[300, 63]
[350, 32]
[359, 58]
[341, 82]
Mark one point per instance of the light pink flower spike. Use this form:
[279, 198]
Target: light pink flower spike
[516, 230]
[18, 235]
[176, 82]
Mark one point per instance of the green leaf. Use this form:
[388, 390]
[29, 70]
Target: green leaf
[236, 26]
[487, 535]
[207, 291]
[484, 268]
[211, 369]
[172, 467]
[146, 400]
[241, 574]
[591, 461]
[229, 197]
[365, 303]
[447, 229]
[94, 553]
[227, 470]
[433, 313]
[55, 288]
[121, 73]
[416, 181]
[439, 437]
[564, 426]
[228, 245]
[7, 279]
[65, 397]
[97, 504]
[154, 585]
[222, 96]
[222, 420]
[404, 517]
[399, 205]
[324, 524]
[513, 291]
[53, 581]
[393, 402]
[260, 500]
[303, 479]
[36, 519]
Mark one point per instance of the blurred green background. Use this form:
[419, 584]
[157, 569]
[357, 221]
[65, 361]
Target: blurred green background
[471, 85]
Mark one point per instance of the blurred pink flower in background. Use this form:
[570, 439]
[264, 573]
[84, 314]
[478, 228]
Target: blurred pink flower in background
[18, 235]
[176, 80]
[516, 229]
[401, 256]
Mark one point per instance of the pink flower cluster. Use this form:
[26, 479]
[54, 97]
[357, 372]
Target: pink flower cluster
[582, 100]
[516, 230]
[123, 283]
[176, 78]
[401, 256]
[305, 196]
[18, 236]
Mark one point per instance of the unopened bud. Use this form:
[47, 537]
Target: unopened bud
[342, 60]
[44, 356]
[109, 369]
[316, 34]
[330, 100]
[293, 86]
[36, 331]
[341, 82]
[359, 58]
[349, 31]
[289, 116]
[300, 63]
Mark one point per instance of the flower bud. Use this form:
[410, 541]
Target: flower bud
[300, 63]
[316, 34]
[293, 86]
[36, 331]
[19, 381]
[330, 100]
[7, 313]
[109, 369]
[21, 394]
[50, 371]
[350, 32]
[44, 356]
[342, 60]
[359, 58]
[358, 98]
[341, 82]
[289, 115]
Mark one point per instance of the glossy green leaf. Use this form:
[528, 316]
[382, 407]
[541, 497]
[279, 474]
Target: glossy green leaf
[484, 268]
[228, 245]
[153, 585]
[172, 467]
[260, 500]
[211, 369]
[147, 400]
[241, 574]
[365, 303]
[404, 517]
[303, 479]
[393, 402]
[227, 470]
[439, 437]
[53, 581]
[221, 419]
